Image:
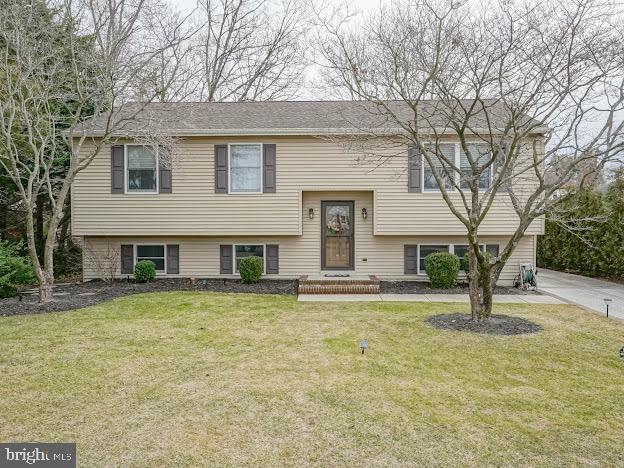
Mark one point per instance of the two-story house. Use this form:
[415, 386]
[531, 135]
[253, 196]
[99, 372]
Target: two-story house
[264, 178]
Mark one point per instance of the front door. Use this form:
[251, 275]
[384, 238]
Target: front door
[337, 235]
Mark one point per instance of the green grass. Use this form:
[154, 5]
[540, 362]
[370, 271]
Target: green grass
[183, 379]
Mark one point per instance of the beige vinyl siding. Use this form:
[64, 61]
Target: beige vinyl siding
[303, 164]
[379, 255]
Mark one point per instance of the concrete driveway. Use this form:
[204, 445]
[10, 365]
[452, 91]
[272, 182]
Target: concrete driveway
[582, 291]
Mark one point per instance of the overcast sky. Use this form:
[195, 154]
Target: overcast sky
[188, 5]
[311, 89]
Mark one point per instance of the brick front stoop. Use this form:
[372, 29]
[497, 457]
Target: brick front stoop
[339, 285]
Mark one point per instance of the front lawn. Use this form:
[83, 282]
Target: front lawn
[189, 378]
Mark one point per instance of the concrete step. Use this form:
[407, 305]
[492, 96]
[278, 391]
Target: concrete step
[342, 285]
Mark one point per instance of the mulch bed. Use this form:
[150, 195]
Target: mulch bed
[422, 287]
[69, 296]
[76, 295]
[496, 325]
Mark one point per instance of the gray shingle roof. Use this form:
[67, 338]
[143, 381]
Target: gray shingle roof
[272, 117]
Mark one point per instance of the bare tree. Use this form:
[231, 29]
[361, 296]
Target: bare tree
[248, 50]
[96, 60]
[104, 260]
[517, 84]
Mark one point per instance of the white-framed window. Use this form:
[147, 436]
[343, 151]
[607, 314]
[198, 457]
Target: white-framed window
[445, 172]
[427, 249]
[248, 250]
[493, 249]
[482, 155]
[141, 169]
[461, 250]
[153, 252]
[245, 167]
[458, 249]
[454, 152]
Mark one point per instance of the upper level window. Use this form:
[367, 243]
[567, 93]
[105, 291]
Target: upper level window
[480, 153]
[142, 169]
[443, 170]
[246, 168]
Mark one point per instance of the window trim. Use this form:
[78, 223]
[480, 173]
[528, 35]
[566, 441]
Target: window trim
[135, 252]
[263, 244]
[127, 191]
[229, 169]
[451, 249]
[456, 175]
[425, 245]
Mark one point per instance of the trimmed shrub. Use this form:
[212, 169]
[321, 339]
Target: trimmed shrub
[144, 271]
[14, 268]
[7, 289]
[442, 269]
[250, 269]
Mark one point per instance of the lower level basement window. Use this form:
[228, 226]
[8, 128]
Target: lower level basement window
[154, 253]
[429, 249]
[242, 251]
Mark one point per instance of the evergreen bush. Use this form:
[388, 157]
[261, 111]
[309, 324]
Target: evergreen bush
[442, 269]
[7, 289]
[14, 268]
[595, 244]
[144, 271]
[250, 269]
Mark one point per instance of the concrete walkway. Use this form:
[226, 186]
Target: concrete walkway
[588, 293]
[499, 299]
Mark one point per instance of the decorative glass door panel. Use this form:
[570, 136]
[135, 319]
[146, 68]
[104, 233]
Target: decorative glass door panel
[337, 235]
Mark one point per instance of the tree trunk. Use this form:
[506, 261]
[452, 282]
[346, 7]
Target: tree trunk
[46, 281]
[481, 295]
[487, 291]
[39, 222]
[65, 224]
[473, 284]
[45, 287]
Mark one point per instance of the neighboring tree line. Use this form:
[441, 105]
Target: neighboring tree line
[586, 233]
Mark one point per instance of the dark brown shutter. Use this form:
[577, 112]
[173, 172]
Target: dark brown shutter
[173, 259]
[272, 259]
[127, 259]
[269, 169]
[164, 172]
[226, 259]
[414, 170]
[117, 169]
[410, 253]
[221, 168]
